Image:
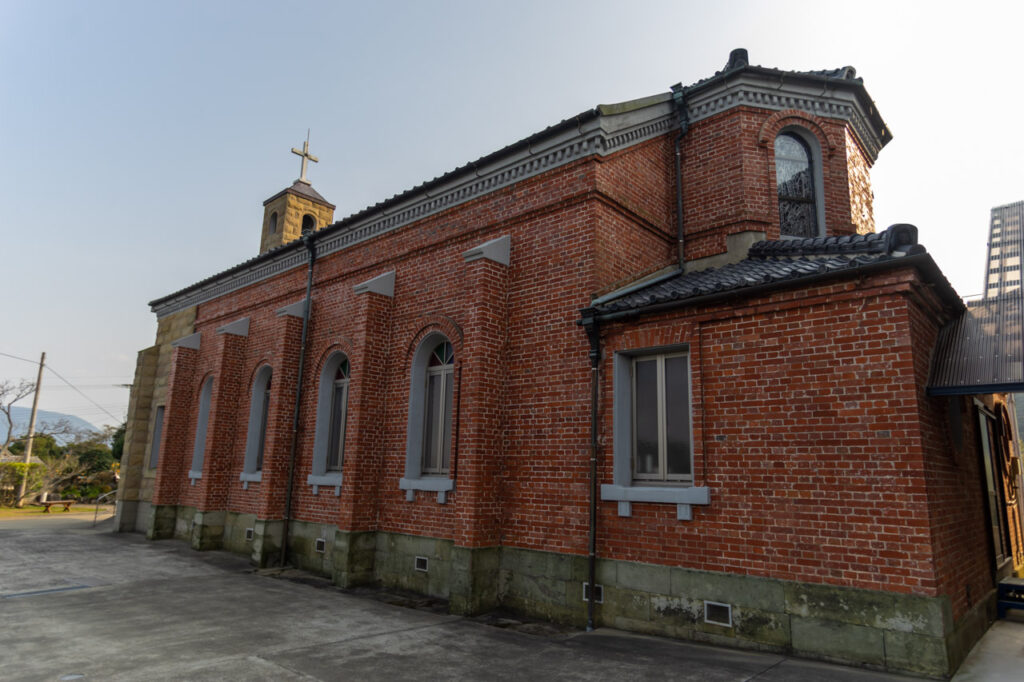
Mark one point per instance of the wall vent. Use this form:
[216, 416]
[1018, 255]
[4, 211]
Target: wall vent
[598, 593]
[321, 545]
[717, 613]
[249, 534]
[421, 564]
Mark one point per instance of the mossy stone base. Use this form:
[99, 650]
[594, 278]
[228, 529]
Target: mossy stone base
[881, 630]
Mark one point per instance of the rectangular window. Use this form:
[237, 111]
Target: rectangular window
[158, 431]
[661, 418]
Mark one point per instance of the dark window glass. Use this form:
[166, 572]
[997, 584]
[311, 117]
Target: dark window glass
[646, 417]
[263, 426]
[273, 223]
[158, 430]
[677, 415]
[437, 418]
[794, 178]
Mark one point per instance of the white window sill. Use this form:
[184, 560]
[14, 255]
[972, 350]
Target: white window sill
[247, 477]
[682, 497]
[328, 480]
[442, 485]
[194, 476]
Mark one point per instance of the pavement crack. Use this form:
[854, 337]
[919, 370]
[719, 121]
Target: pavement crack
[766, 670]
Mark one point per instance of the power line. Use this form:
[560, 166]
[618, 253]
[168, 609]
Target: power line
[16, 357]
[57, 374]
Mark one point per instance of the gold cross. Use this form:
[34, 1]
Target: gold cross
[306, 156]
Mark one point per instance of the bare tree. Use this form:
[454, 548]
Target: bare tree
[10, 393]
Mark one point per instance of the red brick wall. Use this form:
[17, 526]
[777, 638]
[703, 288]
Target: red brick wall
[806, 431]
[956, 505]
[729, 176]
[806, 405]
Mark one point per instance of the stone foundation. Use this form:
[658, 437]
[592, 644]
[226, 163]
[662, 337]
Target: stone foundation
[880, 630]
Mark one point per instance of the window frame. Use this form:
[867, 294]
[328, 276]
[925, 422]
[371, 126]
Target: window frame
[443, 427]
[624, 488]
[337, 425]
[154, 445]
[813, 147]
[322, 475]
[256, 433]
[415, 477]
[202, 423]
[662, 476]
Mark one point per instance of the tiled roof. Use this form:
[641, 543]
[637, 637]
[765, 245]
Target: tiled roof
[775, 262]
[303, 189]
[738, 60]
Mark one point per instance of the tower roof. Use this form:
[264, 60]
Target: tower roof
[302, 189]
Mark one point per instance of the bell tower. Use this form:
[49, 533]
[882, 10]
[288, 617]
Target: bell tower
[295, 209]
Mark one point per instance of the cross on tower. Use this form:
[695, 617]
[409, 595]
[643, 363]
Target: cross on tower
[306, 156]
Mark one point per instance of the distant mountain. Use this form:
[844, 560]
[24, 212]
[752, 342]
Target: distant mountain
[21, 416]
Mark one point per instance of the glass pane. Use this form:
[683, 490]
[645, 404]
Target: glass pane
[336, 439]
[645, 421]
[677, 416]
[797, 218]
[442, 355]
[342, 372]
[794, 180]
[431, 446]
[446, 449]
[263, 427]
[158, 429]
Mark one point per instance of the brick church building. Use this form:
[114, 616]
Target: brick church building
[658, 347]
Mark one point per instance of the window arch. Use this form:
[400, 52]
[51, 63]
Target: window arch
[308, 223]
[273, 222]
[259, 408]
[331, 421]
[202, 420]
[798, 183]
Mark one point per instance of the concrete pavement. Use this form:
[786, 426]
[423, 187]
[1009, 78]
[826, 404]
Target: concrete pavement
[82, 603]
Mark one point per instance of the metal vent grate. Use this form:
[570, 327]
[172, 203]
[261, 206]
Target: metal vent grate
[717, 613]
[421, 564]
[249, 534]
[598, 593]
[321, 545]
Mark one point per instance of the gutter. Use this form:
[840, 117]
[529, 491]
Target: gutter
[309, 241]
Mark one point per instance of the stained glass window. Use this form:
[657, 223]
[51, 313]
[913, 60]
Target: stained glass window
[794, 177]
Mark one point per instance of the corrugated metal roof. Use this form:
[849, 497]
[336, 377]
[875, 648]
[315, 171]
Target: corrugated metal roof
[982, 351]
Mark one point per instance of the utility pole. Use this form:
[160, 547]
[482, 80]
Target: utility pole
[31, 432]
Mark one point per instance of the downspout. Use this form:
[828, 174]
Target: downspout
[594, 336]
[309, 242]
[679, 101]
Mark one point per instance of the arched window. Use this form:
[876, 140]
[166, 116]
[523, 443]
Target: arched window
[259, 408]
[797, 184]
[437, 412]
[428, 442]
[339, 415]
[202, 419]
[331, 422]
[308, 223]
[273, 222]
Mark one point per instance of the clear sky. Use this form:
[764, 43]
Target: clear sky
[138, 140]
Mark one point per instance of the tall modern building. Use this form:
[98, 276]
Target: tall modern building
[1004, 250]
